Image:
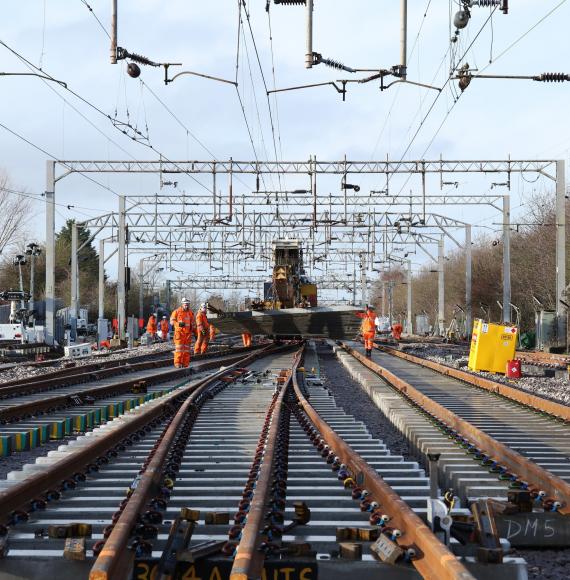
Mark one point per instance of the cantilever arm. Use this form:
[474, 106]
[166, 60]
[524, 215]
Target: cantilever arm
[339, 90]
[189, 72]
[45, 77]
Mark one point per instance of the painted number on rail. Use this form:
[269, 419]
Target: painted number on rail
[209, 571]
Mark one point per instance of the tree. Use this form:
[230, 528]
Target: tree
[533, 266]
[14, 208]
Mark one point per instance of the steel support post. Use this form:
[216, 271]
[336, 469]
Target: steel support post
[31, 303]
[561, 252]
[383, 298]
[50, 253]
[101, 293]
[506, 258]
[121, 286]
[74, 273]
[404, 37]
[409, 326]
[167, 297]
[141, 288]
[309, 45]
[468, 282]
[441, 287]
[114, 31]
[363, 280]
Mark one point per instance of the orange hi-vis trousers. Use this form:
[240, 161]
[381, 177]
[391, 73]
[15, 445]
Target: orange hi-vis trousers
[181, 354]
[246, 339]
[368, 340]
[201, 344]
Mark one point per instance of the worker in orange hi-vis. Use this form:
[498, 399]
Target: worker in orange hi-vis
[368, 328]
[213, 332]
[151, 326]
[246, 339]
[202, 329]
[182, 321]
[164, 328]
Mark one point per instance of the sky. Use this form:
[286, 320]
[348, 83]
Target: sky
[492, 120]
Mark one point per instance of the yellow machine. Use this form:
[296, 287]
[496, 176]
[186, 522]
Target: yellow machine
[492, 346]
[289, 286]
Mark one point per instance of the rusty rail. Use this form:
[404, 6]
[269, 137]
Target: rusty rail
[433, 559]
[115, 559]
[249, 559]
[82, 374]
[537, 403]
[19, 495]
[518, 465]
[61, 401]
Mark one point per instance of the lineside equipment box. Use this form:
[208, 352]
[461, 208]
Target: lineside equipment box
[492, 346]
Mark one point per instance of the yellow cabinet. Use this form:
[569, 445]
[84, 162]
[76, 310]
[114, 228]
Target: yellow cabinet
[492, 346]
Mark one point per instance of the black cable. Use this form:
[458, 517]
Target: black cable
[97, 19]
[22, 138]
[449, 78]
[265, 86]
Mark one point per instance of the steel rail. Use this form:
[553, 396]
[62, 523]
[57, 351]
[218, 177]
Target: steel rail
[249, 559]
[18, 495]
[77, 370]
[433, 559]
[95, 371]
[60, 401]
[536, 403]
[518, 465]
[115, 559]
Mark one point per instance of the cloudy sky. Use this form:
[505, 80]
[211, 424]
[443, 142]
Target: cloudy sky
[491, 120]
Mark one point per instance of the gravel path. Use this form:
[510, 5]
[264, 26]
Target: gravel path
[552, 389]
[356, 402]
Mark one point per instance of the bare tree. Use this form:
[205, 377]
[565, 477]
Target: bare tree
[14, 207]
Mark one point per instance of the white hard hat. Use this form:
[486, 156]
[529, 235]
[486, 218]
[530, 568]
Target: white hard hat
[164, 317]
[185, 301]
[203, 306]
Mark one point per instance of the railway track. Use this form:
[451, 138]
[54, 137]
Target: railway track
[50, 408]
[493, 440]
[251, 472]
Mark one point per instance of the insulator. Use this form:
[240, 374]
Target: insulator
[335, 64]
[553, 77]
[142, 59]
[486, 3]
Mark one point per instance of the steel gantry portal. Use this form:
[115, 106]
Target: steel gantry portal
[342, 225]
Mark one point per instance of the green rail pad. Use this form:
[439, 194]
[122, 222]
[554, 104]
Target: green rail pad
[5, 446]
[20, 440]
[120, 407]
[43, 429]
[112, 410]
[80, 422]
[32, 439]
[97, 413]
[58, 429]
[104, 414]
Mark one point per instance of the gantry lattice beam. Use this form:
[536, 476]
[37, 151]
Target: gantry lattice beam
[310, 166]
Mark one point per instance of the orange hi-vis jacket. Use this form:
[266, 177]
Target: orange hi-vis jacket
[164, 327]
[202, 323]
[151, 325]
[182, 334]
[368, 322]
